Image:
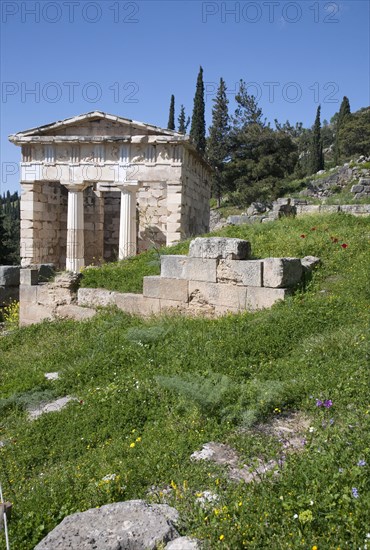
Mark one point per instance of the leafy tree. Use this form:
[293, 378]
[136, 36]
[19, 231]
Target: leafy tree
[171, 116]
[198, 123]
[343, 115]
[183, 121]
[354, 133]
[217, 143]
[316, 153]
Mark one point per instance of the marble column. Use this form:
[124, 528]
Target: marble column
[75, 227]
[127, 228]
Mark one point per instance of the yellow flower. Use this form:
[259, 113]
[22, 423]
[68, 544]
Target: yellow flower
[222, 537]
[314, 548]
[132, 445]
[138, 439]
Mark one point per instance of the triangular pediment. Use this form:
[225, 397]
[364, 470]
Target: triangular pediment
[96, 123]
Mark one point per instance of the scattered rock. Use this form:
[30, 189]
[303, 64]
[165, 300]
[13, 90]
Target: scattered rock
[309, 263]
[288, 429]
[184, 543]
[53, 406]
[134, 525]
[52, 375]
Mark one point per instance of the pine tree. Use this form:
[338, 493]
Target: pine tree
[198, 123]
[171, 116]
[316, 153]
[217, 143]
[247, 111]
[343, 115]
[183, 121]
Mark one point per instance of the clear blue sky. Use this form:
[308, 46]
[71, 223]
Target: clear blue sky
[127, 58]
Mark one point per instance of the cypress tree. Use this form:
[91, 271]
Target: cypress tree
[316, 153]
[4, 250]
[182, 121]
[217, 143]
[171, 116]
[344, 113]
[198, 123]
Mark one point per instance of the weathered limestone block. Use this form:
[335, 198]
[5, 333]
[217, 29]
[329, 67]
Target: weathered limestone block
[29, 276]
[34, 313]
[95, 297]
[357, 188]
[220, 311]
[193, 269]
[28, 294]
[281, 272]
[310, 262]
[308, 209]
[261, 297]
[329, 208]
[240, 272]
[218, 294]
[75, 312]
[220, 247]
[68, 280]
[9, 275]
[168, 289]
[132, 524]
[50, 295]
[137, 304]
[184, 543]
[171, 305]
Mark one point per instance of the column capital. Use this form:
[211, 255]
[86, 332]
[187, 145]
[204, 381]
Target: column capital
[129, 185]
[75, 185]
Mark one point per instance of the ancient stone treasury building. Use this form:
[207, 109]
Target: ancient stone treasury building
[100, 187]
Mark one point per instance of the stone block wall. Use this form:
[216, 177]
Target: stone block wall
[9, 284]
[195, 200]
[217, 277]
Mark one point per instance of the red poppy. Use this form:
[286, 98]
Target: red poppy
[303, 236]
[344, 245]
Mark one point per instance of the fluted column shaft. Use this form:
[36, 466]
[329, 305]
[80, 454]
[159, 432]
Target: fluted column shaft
[127, 228]
[75, 260]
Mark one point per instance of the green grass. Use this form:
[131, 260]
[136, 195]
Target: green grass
[140, 413]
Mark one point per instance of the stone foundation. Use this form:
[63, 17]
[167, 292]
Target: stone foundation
[218, 277]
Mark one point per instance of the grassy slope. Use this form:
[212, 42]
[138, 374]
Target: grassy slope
[125, 423]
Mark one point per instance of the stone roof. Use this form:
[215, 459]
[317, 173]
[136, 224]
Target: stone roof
[89, 117]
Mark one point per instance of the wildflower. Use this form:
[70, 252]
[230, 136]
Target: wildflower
[328, 403]
[303, 236]
[138, 439]
[331, 421]
[295, 516]
[355, 492]
[314, 548]
[344, 245]
[132, 445]
[361, 463]
[221, 537]
[319, 403]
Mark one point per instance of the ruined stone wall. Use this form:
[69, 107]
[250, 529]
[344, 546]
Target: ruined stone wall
[195, 196]
[43, 223]
[152, 214]
[218, 277]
